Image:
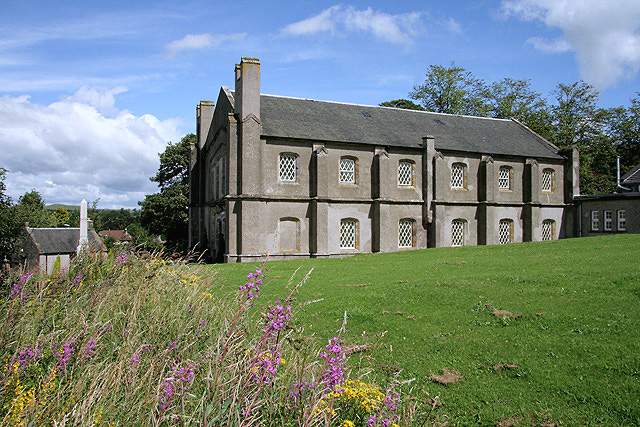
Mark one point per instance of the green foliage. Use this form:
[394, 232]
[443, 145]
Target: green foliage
[10, 227]
[574, 346]
[57, 265]
[30, 209]
[165, 213]
[402, 103]
[451, 90]
[61, 216]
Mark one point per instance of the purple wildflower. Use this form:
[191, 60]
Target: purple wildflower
[120, 260]
[176, 384]
[89, 348]
[299, 391]
[333, 372]
[78, 278]
[252, 287]
[17, 289]
[25, 357]
[202, 324]
[65, 353]
[267, 361]
[135, 359]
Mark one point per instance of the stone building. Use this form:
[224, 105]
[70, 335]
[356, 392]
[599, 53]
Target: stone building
[297, 178]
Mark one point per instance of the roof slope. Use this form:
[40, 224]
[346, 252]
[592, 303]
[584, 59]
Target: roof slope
[331, 121]
[61, 240]
[633, 176]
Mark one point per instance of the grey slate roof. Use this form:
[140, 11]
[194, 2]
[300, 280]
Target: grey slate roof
[61, 240]
[331, 121]
[632, 177]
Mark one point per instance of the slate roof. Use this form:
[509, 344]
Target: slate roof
[632, 177]
[331, 121]
[119, 235]
[61, 240]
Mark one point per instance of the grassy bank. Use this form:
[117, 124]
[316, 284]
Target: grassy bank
[567, 351]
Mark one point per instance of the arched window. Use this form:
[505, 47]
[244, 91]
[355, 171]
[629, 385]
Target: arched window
[349, 233]
[406, 173]
[548, 178]
[406, 233]
[288, 169]
[458, 232]
[504, 178]
[505, 231]
[548, 230]
[458, 176]
[348, 170]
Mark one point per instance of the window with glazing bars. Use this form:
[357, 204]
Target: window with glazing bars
[608, 220]
[405, 173]
[287, 168]
[457, 232]
[348, 234]
[457, 175]
[504, 178]
[622, 222]
[547, 180]
[405, 234]
[595, 220]
[347, 171]
[505, 231]
[548, 226]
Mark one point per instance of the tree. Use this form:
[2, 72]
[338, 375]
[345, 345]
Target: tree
[451, 90]
[624, 129]
[165, 212]
[10, 228]
[61, 216]
[30, 209]
[402, 103]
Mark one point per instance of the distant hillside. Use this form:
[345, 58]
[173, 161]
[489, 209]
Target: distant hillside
[55, 206]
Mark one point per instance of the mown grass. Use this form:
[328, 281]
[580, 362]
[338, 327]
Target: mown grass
[575, 347]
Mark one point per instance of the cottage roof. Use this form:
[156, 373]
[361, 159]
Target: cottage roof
[297, 118]
[61, 240]
[632, 177]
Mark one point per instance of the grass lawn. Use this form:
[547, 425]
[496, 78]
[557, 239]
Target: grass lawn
[574, 340]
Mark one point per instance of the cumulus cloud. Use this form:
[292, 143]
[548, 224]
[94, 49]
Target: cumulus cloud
[339, 19]
[604, 34]
[201, 41]
[70, 150]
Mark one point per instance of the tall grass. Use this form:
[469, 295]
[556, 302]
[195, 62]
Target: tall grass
[133, 340]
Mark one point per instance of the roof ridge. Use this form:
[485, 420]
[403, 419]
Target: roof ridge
[386, 108]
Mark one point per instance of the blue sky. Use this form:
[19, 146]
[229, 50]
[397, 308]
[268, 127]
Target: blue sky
[90, 92]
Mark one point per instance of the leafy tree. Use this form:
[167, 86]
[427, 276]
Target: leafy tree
[10, 227]
[402, 103]
[510, 98]
[451, 90]
[61, 216]
[624, 130]
[165, 212]
[111, 219]
[30, 208]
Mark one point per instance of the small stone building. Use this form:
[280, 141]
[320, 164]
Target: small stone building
[296, 178]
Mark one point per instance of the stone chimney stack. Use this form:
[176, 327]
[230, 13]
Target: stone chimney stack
[248, 88]
[84, 227]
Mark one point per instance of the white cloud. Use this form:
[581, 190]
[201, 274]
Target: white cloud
[553, 46]
[69, 150]
[604, 34]
[400, 29]
[201, 41]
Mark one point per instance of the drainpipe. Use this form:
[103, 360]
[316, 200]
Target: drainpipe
[620, 186]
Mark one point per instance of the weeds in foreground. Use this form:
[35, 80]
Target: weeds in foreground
[134, 340]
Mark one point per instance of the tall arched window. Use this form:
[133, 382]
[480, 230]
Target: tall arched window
[505, 231]
[406, 233]
[548, 178]
[349, 233]
[348, 170]
[504, 178]
[458, 176]
[548, 229]
[406, 173]
[287, 167]
[458, 232]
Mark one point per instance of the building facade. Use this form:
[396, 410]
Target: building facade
[297, 178]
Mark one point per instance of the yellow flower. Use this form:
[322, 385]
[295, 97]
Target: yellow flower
[347, 423]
